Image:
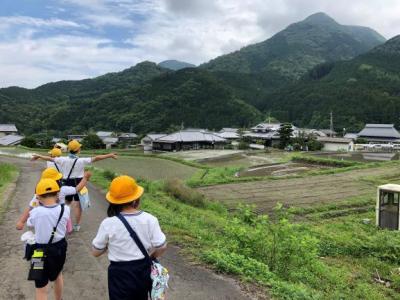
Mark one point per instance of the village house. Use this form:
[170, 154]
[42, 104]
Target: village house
[334, 144]
[9, 135]
[380, 133]
[148, 140]
[189, 139]
[7, 129]
[11, 140]
[128, 138]
[108, 138]
[229, 134]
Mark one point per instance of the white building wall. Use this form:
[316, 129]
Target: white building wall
[335, 147]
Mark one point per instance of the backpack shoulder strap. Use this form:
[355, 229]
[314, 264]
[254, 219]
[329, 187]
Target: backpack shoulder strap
[58, 169]
[134, 237]
[55, 227]
[73, 166]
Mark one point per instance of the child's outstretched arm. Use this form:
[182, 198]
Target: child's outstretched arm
[37, 156]
[22, 219]
[105, 156]
[84, 181]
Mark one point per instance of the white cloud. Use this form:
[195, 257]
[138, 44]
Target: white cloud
[191, 30]
[36, 22]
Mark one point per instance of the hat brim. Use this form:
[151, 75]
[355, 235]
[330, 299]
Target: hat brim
[127, 199]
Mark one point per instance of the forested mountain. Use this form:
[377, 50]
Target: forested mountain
[192, 97]
[301, 46]
[175, 65]
[295, 75]
[364, 89]
[78, 89]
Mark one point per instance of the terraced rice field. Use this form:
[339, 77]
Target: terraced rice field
[147, 168]
[297, 191]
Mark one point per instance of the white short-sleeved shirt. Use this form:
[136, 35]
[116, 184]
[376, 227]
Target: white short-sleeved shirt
[50, 164]
[65, 165]
[64, 191]
[44, 218]
[121, 247]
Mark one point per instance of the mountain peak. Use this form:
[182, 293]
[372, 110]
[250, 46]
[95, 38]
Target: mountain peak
[320, 18]
[175, 65]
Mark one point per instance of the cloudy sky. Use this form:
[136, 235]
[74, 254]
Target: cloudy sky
[50, 40]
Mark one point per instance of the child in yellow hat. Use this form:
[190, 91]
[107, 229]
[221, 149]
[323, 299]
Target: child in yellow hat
[72, 168]
[65, 191]
[129, 270]
[55, 152]
[49, 221]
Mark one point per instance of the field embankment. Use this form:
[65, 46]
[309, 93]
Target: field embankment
[324, 256]
[8, 173]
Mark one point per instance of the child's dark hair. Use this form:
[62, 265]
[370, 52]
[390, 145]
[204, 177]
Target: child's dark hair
[73, 152]
[49, 195]
[115, 209]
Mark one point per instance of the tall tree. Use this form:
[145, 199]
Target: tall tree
[285, 135]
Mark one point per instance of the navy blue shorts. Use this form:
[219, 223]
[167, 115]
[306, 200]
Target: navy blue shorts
[129, 280]
[53, 263]
[71, 182]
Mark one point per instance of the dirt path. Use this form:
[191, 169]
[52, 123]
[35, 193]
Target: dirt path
[86, 276]
[297, 191]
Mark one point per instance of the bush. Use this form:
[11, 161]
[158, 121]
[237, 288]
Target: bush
[29, 142]
[243, 145]
[92, 141]
[180, 191]
[109, 175]
[314, 145]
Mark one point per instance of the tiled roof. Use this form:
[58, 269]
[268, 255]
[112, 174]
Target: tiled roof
[128, 135]
[191, 136]
[154, 136]
[379, 130]
[104, 133]
[110, 140]
[8, 128]
[10, 140]
[228, 135]
[334, 140]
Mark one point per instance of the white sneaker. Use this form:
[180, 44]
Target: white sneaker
[76, 227]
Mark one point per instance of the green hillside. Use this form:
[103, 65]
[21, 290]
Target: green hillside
[364, 89]
[192, 97]
[295, 75]
[301, 46]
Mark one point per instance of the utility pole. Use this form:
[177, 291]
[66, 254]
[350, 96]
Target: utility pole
[331, 123]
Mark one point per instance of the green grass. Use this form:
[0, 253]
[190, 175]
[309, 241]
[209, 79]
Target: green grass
[8, 172]
[324, 161]
[331, 258]
[225, 175]
[151, 168]
[120, 152]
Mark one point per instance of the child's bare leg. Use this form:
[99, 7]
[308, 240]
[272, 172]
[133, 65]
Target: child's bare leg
[41, 293]
[58, 287]
[77, 212]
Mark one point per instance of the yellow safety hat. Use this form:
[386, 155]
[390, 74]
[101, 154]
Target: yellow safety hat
[124, 189]
[51, 173]
[55, 152]
[74, 145]
[47, 186]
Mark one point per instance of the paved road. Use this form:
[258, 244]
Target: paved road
[86, 276]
